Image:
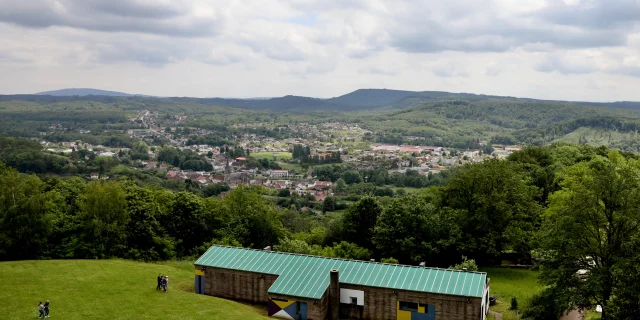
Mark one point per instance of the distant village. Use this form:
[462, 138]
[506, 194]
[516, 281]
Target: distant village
[347, 139]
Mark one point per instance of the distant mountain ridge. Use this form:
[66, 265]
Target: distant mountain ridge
[83, 92]
[361, 99]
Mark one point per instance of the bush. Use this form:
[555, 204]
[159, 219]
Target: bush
[389, 260]
[466, 264]
[543, 306]
[514, 304]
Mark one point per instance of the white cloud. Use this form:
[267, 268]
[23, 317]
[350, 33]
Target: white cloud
[323, 47]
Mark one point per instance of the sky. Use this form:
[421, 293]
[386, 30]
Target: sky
[586, 50]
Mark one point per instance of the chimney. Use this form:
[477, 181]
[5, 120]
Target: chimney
[267, 248]
[423, 264]
[334, 295]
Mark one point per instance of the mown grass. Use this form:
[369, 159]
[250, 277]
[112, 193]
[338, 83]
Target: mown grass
[506, 283]
[110, 289]
[269, 155]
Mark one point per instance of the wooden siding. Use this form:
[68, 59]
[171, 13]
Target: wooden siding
[381, 304]
[237, 285]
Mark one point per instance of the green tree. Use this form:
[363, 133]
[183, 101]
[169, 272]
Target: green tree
[146, 238]
[360, 221]
[591, 233]
[254, 220]
[329, 204]
[495, 209]
[26, 215]
[466, 264]
[389, 260]
[104, 219]
[414, 230]
[348, 250]
[352, 176]
[341, 185]
[140, 147]
[186, 223]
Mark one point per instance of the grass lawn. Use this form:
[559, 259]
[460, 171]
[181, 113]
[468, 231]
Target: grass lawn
[408, 190]
[110, 289]
[290, 166]
[269, 155]
[506, 283]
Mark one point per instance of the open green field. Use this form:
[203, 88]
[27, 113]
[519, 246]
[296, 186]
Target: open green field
[109, 289]
[506, 283]
[269, 155]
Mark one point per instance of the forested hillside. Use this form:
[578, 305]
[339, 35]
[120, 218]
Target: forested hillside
[462, 123]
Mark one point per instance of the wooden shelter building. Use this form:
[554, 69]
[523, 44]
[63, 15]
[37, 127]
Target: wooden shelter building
[305, 287]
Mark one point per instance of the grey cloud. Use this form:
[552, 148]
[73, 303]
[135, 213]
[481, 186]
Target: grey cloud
[564, 66]
[137, 52]
[109, 16]
[135, 9]
[575, 66]
[379, 71]
[11, 58]
[448, 71]
[470, 29]
[592, 14]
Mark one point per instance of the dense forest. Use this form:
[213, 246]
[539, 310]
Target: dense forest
[570, 207]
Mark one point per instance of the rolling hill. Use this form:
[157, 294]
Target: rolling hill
[82, 92]
[110, 289]
[361, 99]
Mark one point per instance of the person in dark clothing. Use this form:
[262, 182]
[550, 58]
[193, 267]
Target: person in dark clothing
[41, 310]
[159, 282]
[164, 284]
[46, 309]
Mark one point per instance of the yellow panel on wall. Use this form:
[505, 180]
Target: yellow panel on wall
[402, 314]
[421, 309]
[199, 272]
[283, 303]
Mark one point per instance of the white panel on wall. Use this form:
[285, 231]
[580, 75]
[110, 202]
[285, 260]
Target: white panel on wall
[347, 294]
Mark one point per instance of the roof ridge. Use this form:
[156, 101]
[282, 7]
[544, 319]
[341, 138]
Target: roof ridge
[343, 259]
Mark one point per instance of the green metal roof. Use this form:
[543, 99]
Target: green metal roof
[308, 276]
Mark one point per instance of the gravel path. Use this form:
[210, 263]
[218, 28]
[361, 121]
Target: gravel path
[573, 315]
[497, 314]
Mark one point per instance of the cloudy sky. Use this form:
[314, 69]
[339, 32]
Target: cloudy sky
[554, 49]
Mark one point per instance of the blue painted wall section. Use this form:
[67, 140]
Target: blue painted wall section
[199, 281]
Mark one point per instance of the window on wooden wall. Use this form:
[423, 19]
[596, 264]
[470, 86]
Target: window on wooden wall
[354, 300]
[408, 306]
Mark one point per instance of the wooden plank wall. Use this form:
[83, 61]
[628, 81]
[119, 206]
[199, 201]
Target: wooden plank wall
[238, 285]
[381, 304]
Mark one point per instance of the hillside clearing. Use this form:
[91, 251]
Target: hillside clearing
[506, 283]
[109, 289]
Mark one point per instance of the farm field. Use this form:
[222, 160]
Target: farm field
[110, 289]
[269, 155]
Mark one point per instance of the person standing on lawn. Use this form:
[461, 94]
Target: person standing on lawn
[41, 310]
[164, 284]
[159, 287]
[46, 309]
